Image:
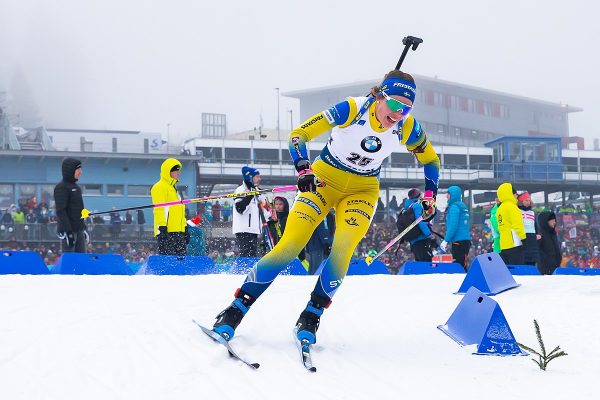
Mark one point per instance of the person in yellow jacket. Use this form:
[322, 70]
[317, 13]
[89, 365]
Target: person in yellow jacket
[510, 226]
[170, 227]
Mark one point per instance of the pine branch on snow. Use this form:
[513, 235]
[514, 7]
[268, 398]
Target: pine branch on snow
[543, 358]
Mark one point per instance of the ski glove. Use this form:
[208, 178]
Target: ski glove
[428, 204]
[68, 237]
[307, 180]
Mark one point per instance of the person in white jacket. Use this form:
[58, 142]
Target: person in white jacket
[246, 214]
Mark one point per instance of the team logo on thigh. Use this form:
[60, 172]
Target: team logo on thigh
[351, 221]
[371, 144]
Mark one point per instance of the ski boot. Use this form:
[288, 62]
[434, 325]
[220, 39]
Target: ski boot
[230, 318]
[308, 323]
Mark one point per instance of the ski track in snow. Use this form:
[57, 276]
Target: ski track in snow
[131, 337]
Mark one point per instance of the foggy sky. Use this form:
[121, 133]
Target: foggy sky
[140, 65]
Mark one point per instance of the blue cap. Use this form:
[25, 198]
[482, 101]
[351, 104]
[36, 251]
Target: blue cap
[248, 173]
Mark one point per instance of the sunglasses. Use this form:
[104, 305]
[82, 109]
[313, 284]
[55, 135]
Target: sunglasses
[396, 105]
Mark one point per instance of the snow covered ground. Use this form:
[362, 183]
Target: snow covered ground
[131, 337]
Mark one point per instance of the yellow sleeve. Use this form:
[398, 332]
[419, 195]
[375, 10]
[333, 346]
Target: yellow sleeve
[159, 195]
[517, 221]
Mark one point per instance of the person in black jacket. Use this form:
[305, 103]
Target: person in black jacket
[69, 203]
[549, 255]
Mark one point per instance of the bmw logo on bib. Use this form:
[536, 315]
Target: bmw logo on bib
[371, 144]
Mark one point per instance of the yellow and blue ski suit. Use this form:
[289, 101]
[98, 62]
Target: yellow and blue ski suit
[349, 164]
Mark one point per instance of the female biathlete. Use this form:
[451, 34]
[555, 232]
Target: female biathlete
[364, 132]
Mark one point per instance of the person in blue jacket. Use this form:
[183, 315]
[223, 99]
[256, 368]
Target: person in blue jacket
[421, 245]
[457, 227]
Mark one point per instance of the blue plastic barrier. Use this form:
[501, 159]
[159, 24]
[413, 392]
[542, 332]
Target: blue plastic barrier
[177, 265]
[576, 271]
[360, 267]
[421, 267]
[22, 262]
[489, 274]
[91, 264]
[523, 269]
[479, 320]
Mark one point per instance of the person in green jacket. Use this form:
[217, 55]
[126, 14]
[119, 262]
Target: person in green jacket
[495, 231]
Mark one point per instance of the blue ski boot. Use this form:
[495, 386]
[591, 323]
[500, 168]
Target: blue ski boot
[308, 323]
[230, 318]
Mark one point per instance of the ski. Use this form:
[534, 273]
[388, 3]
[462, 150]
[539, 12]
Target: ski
[304, 347]
[221, 340]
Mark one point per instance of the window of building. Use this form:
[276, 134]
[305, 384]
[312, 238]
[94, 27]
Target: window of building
[146, 146]
[570, 164]
[438, 99]
[429, 100]
[447, 102]
[479, 106]
[528, 150]
[496, 110]
[514, 151]
[463, 104]
[540, 152]
[114, 145]
[91, 189]
[499, 153]
[237, 155]
[402, 160]
[209, 154]
[455, 161]
[590, 164]
[138, 190]
[553, 151]
[7, 195]
[266, 156]
[480, 161]
[504, 111]
[115, 190]
[471, 105]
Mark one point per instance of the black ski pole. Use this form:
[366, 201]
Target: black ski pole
[408, 41]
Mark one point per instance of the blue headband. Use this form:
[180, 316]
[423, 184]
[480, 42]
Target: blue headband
[400, 87]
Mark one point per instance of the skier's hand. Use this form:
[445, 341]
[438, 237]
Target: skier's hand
[428, 204]
[307, 180]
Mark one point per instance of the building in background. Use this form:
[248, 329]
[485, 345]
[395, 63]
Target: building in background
[457, 114]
